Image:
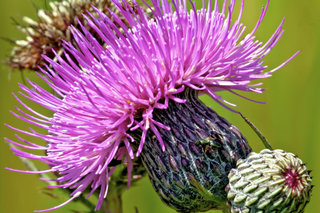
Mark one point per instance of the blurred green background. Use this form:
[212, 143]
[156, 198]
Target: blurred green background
[290, 120]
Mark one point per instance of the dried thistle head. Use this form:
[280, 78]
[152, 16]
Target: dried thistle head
[47, 34]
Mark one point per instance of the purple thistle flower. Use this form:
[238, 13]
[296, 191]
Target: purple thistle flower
[111, 92]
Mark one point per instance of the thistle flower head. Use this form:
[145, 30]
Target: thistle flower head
[269, 181]
[111, 92]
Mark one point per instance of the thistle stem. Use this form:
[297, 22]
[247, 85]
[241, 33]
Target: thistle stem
[86, 202]
[257, 131]
[113, 202]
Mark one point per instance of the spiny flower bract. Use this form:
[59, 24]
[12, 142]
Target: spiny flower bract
[110, 92]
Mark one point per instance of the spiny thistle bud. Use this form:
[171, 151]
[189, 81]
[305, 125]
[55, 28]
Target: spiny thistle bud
[47, 34]
[269, 182]
[200, 150]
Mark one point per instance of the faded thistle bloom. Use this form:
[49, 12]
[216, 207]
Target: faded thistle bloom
[46, 35]
[138, 96]
[270, 182]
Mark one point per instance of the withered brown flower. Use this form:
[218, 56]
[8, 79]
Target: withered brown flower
[47, 34]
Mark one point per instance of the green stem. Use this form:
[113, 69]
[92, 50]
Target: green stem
[113, 202]
[23, 78]
[86, 202]
[257, 131]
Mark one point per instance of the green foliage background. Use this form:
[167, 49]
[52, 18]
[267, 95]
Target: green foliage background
[290, 120]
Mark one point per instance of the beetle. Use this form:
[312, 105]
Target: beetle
[209, 143]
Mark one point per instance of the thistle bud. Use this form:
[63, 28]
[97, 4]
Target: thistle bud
[269, 182]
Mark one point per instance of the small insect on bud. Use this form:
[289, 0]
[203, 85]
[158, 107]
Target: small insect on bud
[269, 182]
